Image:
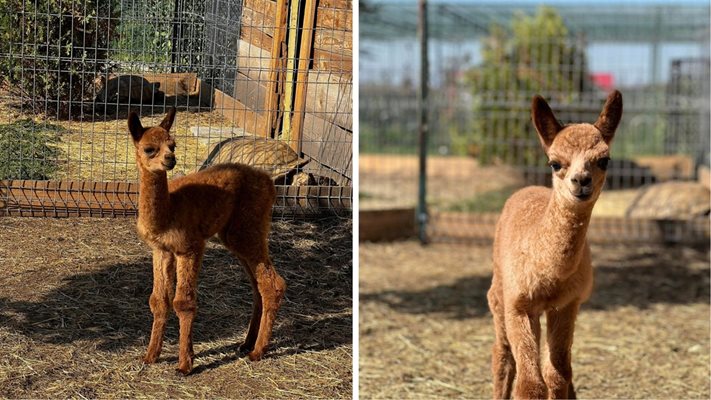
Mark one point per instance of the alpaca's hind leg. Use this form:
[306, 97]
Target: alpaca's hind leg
[251, 248]
[558, 371]
[185, 306]
[163, 286]
[254, 323]
[271, 288]
[503, 366]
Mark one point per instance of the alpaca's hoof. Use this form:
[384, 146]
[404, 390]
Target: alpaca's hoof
[184, 370]
[255, 355]
[149, 358]
[244, 348]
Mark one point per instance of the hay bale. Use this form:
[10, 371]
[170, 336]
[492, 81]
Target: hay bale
[671, 200]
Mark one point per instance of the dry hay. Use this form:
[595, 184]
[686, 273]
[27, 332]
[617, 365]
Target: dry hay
[426, 332]
[74, 315]
[101, 149]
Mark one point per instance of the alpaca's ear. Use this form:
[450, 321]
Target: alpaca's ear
[168, 120]
[544, 121]
[135, 127]
[610, 116]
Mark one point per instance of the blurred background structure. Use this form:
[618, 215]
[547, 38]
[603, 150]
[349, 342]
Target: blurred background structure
[263, 82]
[486, 61]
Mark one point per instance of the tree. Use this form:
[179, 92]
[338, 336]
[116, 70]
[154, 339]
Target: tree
[54, 50]
[536, 55]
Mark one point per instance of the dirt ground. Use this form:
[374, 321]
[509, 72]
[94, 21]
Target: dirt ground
[426, 332]
[74, 315]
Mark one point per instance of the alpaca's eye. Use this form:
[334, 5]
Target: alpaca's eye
[149, 150]
[172, 148]
[555, 165]
[602, 163]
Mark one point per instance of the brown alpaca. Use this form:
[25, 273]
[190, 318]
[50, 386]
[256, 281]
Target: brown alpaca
[542, 258]
[176, 218]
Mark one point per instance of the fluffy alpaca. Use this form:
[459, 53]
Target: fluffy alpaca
[542, 258]
[176, 218]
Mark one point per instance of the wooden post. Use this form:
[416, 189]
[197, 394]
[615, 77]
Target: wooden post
[290, 66]
[302, 74]
[271, 105]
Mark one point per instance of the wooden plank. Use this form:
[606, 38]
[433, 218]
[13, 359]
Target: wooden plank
[330, 97]
[271, 104]
[338, 4]
[338, 42]
[386, 225]
[329, 145]
[251, 93]
[259, 14]
[331, 62]
[253, 61]
[113, 199]
[256, 37]
[239, 113]
[336, 19]
[302, 74]
[291, 55]
[175, 84]
[475, 227]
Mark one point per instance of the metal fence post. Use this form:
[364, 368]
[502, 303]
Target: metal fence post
[423, 123]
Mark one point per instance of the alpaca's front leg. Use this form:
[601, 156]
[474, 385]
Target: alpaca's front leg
[524, 332]
[185, 306]
[558, 371]
[163, 284]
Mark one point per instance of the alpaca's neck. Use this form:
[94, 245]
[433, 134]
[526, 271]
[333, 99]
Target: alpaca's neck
[564, 228]
[153, 200]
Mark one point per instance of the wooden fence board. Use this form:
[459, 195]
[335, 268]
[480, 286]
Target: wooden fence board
[112, 199]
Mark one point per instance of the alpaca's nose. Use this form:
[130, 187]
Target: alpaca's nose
[582, 179]
[169, 161]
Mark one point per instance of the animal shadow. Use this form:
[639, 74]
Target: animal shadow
[109, 306]
[639, 278]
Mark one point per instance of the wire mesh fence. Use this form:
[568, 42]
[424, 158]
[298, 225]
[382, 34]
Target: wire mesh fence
[260, 81]
[487, 60]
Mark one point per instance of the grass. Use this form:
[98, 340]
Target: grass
[491, 201]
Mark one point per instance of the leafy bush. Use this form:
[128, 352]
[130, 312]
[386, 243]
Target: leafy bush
[28, 150]
[536, 55]
[56, 50]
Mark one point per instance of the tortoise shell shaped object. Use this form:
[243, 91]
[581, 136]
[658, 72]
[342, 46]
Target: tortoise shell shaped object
[273, 156]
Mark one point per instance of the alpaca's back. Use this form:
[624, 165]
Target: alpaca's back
[220, 192]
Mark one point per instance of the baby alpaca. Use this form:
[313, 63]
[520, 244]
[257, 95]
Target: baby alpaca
[176, 218]
[542, 258]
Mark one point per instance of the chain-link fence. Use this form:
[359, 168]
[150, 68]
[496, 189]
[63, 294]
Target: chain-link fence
[254, 81]
[488, 60]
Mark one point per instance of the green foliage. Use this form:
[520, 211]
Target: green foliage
[536, 55]
[492, 201]
[28, 150]
[145, 33]
[56, 50]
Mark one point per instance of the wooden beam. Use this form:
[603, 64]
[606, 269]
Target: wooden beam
[302, 73]
[291, 48]
[120, 199]
[271, 104]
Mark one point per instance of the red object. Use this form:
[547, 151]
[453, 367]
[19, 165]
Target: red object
[603, 80]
